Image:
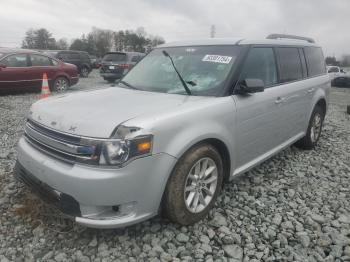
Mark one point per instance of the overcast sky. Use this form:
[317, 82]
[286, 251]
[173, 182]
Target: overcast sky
[327, 21]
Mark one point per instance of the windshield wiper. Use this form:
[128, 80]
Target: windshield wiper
[127, 84]
[188, 91]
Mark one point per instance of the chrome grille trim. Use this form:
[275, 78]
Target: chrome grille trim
[60, 145]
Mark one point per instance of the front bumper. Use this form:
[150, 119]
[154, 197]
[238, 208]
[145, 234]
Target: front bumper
[96, 197]
[73, 81]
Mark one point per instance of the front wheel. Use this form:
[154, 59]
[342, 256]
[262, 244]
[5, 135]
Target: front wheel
[314, 130]
[194, 185]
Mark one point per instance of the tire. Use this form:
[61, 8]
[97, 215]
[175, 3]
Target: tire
[84, 71]
[309, 141]
[174, 201]
[60, 84]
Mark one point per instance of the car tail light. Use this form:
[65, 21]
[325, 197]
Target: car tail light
[124, 66]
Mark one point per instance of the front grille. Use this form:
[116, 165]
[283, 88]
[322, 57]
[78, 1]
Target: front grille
[62, 146]
[64, 202]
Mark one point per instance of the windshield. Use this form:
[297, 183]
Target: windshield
[203, 68]
[1, 55]
[117, 57]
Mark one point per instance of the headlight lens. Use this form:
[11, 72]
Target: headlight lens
[117, 152]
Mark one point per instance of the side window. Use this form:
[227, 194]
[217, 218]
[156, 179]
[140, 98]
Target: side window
[62, 56]
[315, 61]
[39, 60]
[84, 56]
[18, 60]
[135, 58]
[290, 64]
[260, 64]
[74, 56]
[54, 62]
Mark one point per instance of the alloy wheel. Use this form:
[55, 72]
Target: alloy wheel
[61, 84]
[316, 128]
[201, 185]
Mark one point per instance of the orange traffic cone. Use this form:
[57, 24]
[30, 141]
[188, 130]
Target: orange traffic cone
[45, 90]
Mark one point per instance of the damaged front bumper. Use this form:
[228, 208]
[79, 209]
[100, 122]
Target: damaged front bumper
[96, 197]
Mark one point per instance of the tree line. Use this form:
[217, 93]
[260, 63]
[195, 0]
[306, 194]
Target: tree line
[344, 61]
[97, 42]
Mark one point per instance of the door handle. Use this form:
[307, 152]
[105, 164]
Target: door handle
[279, 100]
[311, 90]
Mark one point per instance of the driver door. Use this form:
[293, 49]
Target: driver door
[259, 121]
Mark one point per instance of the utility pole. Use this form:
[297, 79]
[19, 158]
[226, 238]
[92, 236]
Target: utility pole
[212, 31]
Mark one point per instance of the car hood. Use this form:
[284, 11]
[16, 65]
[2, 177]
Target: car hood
[97, 113]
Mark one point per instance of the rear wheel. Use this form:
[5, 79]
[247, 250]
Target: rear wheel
[84, 71]
[314, 130]
[194, 185]
[60, 84]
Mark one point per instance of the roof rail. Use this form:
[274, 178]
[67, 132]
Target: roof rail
[276, 36]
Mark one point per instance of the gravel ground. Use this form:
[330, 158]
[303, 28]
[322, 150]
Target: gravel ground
[294, 207]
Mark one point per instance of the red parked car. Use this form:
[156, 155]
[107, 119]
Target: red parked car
[24, 69]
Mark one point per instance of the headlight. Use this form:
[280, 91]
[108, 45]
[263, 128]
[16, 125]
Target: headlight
[127, 143]
[117, 152]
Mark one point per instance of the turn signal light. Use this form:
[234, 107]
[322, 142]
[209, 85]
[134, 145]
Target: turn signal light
[144, 146]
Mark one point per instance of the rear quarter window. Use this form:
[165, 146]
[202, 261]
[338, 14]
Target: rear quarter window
[117, 57]
[289, 64]
[136, 58]
[315, 61]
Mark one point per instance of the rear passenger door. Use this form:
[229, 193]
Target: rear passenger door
[39, 65]
[294, 100]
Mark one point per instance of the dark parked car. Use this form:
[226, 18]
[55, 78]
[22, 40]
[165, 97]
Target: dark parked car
[116, 64]
[79, 58]
[95, 62]
[24, 69]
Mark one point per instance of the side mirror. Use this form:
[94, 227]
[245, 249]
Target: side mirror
[3, 65]
[251, 85]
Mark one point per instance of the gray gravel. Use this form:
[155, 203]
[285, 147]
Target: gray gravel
[294, 207]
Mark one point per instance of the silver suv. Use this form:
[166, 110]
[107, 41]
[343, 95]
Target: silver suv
[186, 118]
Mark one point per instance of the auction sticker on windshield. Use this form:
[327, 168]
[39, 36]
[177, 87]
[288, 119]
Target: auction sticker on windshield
[217, 59]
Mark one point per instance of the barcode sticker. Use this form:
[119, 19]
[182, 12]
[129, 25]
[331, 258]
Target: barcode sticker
[217, 59]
